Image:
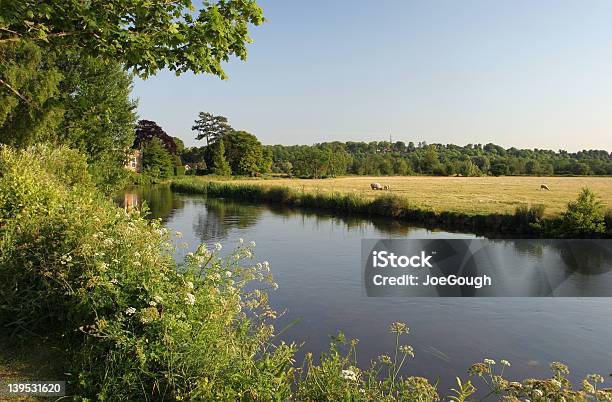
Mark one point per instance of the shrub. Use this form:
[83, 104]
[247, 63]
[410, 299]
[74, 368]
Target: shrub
[529, 217]
[584, 217]
[139, 326]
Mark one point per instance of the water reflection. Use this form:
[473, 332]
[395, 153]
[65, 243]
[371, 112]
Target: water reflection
[159, 199]
[315, 259]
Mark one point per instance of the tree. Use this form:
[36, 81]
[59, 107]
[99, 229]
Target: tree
[99, 116]
[249, 163]
[211, 127]
[147, 130]
[29, 81]
[144, 35]
[237, 144]
[585, 216]
[156, 160]
[220, 165]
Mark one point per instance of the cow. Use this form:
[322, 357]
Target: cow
[544, 187]
[386, 187]
[376, 186]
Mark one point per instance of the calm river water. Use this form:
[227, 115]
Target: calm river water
[316, 261]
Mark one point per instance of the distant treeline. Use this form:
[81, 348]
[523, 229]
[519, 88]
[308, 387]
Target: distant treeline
[398, 158]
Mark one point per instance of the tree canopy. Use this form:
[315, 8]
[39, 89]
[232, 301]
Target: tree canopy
[143, 35]
[211, 127]
[147, 130]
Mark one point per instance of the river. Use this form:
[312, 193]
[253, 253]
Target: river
[315, 259]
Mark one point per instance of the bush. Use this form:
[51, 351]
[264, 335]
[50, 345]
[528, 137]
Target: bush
[139, 326]
[529, 217]
[584, 217]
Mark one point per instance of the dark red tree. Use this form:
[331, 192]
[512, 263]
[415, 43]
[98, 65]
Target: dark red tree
[146, 130]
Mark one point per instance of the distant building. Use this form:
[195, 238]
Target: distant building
[134, 160]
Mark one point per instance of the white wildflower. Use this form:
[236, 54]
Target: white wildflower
[130, 310]
[248, 254]
[240, 240]
[407, 349]
[556, 383]
[489, 361]
[189, 285]
[252, 244]
[504, 363]
[218, 246]
[228, 274]
[274, 285]
[152, 303]
[114, 281]
[158, 299]
[538, 393]
[258, 265]
[349, 375]
[178, 234]
[595, 378]
[136, 254]
[266, 265]
[190, 299]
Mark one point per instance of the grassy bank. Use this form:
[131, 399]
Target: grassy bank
[524, 220]
[465, 195]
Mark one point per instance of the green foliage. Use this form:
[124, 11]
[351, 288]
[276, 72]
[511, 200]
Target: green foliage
[156, 160]
[585, 216]
[99, 117]
[530, 218]
[29, 84]
[179, 170]
[221, 166]
[383, 158]
[211, 127]
[146, 36]
[245, 153]
[139, 326]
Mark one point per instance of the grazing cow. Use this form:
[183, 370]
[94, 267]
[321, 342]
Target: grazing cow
[376, 186]
[544, 187]
[386, 187]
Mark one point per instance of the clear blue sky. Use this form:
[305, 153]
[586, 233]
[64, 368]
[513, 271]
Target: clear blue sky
[530, 74]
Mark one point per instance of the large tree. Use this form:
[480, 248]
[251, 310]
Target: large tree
[210, 127]
[147, 130]
[241, 145]
[143, 35]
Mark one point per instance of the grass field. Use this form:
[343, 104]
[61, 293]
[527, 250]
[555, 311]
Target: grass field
[472, 195]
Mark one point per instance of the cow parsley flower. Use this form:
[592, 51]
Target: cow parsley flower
[190, 299]
[228, 274]
[189, 285]
[252, 244]
[504, 363]
[218, 246]
[349, 375]
[130, 310]
[114, 281]
[489, 361]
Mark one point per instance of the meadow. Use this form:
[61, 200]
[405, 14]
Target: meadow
[466, 195]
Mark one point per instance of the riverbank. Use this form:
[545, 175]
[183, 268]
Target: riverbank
[527, 220]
